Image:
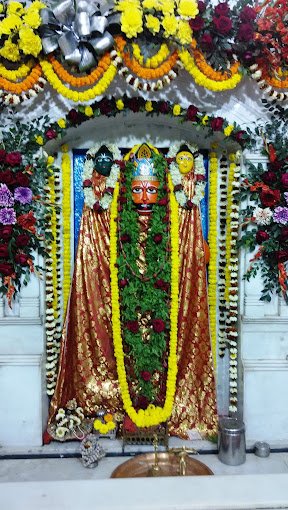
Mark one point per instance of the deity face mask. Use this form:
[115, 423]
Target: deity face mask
[185, 161]
[103, 161]
[144, 194]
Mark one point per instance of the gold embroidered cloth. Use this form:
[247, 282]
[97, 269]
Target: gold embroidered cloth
[87, 365]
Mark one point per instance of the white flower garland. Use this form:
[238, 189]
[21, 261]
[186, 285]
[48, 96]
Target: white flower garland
[89, 166]
[176, 176]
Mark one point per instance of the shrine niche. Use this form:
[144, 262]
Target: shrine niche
[149, 106]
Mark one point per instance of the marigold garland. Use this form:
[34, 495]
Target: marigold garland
[143, 72]
[17, 74]
[153, 415]
[66, 215]
[74, 95]
[81, 81]
[25, 85]
[154, 61]
[202, 80]
[211, 73]
[213, 245]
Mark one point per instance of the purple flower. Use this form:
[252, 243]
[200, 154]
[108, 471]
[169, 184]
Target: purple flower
[280, 215]
[7, 216]
[23, 195]
[6, 197]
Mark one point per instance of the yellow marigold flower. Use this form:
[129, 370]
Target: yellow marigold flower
[29, 42]
[184, 33]
[148, 4]
[39, 140]
[228, 130]
[119, 104]
[65, 147]
[15, 8]
[205, 120]
[167, 6]
[10, 51]
[88, 111]
[9, 24]
[152, 23]
[176, 109]
[188, 8]
[38, 5]
[125, 5]
[170, 25]
[32, 17]
[148, 106]
[50, 160]
[131, 22]
[108, 417]
[61, 123]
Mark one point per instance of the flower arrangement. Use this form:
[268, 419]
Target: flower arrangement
[105, 424]
[70, 422]
[224, 33]
[265, 224]
[163, 19]
[18, 30]
[23, 205]
[146, 304]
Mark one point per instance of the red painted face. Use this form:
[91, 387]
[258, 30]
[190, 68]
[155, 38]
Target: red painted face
[144, 195]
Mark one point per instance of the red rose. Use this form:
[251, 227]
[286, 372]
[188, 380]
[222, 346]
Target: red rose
[201, 6]
[262, 236]
[50, 134]
[87, 183]
[122, 283]
[207, 42]
[21, 258]
[146, 375]
[163, 201]
[239, 136]
[163, 107]
[4, 253]
[8, 177]
[284, 180]
[248, 14]
[125, 238]
[197, 23]
[284, 234]
[6, 269]
[157, 238]
[13, 158]
[76, 117]
[2, 155]
[222, 24]
[269, 177]
[133, 326]
[161, 284]
[275, 165]
[6, 231]
[97, 207]
[192, 112]
[134, 104]
[22, 179]
[158, 325]
[270, 197]
[105, 106]
[245, 32]
[222, 9]
[281, 256]
[217, 123]
[142, 402]
[22, 240]
[27, 222]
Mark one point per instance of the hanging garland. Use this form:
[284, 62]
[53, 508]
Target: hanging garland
[66, 215]
[126, 278]
[222, 343]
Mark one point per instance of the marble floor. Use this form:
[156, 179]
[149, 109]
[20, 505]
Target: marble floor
[40, 469]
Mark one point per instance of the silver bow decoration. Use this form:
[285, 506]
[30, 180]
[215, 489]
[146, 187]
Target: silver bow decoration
[80, 29]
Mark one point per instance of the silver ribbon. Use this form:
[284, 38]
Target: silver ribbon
[80, 29]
